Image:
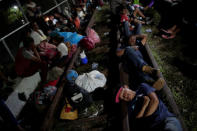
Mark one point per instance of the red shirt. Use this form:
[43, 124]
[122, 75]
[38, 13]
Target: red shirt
[124, 18]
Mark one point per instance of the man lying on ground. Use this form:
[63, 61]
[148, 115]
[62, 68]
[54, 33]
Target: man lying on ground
[134, 63]
[146, 111]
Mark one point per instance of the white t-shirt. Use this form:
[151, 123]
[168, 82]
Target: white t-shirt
[63, 49]
[38, 37]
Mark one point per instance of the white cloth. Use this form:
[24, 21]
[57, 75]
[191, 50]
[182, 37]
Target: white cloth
[63, 49]
[37, 37]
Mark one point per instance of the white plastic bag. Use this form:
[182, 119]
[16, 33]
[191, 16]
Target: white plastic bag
[91, 81]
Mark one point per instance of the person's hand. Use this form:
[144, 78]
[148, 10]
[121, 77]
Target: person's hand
[135, 47]
[127, 94]
[38, 60]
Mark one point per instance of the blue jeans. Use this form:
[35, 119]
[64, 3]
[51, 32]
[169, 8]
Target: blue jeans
[134, 63]
[172, 124]
[136, 31]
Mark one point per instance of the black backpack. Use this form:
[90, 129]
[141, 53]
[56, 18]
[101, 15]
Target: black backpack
[78, 97]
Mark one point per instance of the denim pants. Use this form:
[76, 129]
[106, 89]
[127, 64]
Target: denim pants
[172, 124]
[6, 114]
[136, 31]
[135, 62]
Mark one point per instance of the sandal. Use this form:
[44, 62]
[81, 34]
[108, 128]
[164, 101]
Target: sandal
[168, 37]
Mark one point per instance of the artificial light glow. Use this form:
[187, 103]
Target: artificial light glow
[15, 7]
[47, 19]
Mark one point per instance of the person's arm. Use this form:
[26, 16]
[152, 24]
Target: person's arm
[143, 37]
[145, 104]
[36, 53]
[153, 104]
[138, 21]
[120, 52]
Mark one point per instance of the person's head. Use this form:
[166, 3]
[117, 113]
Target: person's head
[71, 76]
[28, 42]
[124, 10]
[132, 40]
[25, 33]
[54, 74]
[57, 39]
[68, 45]
[34, 26]
[125, 94]
[51, 17]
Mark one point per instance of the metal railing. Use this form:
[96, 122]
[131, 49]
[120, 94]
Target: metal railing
[27, 23]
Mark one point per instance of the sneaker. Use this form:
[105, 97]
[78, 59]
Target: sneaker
[159, 84]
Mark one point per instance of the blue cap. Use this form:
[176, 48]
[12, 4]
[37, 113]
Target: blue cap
[71, 76]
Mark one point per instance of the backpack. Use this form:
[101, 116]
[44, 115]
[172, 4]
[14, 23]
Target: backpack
[78, 97]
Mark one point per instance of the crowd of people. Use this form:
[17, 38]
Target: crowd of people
[49, 42]
[146, 111]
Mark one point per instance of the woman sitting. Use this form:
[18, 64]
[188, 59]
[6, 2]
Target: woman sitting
[28, 61]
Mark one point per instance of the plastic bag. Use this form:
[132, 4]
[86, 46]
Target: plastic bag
[68, 113]
[87, 43]
[101, 3]
[66, 35]
[93, 35]
[91, 81]
[74, 38]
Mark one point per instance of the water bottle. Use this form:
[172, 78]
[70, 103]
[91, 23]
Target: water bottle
[83, 57]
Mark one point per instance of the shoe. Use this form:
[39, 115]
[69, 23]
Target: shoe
[159, 84]
[168, 37]
[149, 70]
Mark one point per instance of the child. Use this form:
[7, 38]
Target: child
[62, 50]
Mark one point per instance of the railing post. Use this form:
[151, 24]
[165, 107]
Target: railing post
[8, 50]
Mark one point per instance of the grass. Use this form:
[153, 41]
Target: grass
[173, 65]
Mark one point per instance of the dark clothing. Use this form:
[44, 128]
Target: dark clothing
[133, 61]
[25, 67]
[135, 31]
[157, 118]
[115, 6]
[6, 114]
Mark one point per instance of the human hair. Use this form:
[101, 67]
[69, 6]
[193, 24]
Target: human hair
[133, 38]
[32, 24]
[28, 41]
[58, 39]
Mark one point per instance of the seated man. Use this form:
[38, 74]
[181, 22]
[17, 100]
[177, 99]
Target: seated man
[146, 110]
[28, 61]
[134, 63]
[131, 25]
